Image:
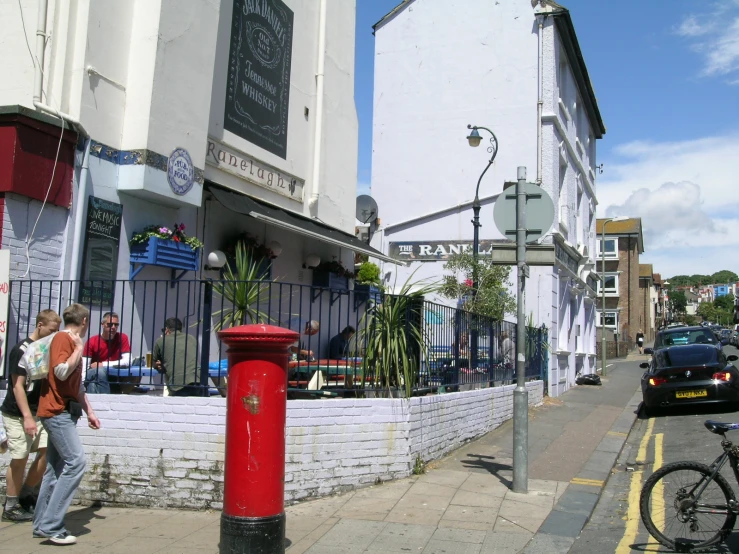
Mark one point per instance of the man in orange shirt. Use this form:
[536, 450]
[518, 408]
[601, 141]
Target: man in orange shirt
[62, 400]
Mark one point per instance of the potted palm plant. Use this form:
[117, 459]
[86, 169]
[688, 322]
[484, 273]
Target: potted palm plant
[243, 290]
[395, 341]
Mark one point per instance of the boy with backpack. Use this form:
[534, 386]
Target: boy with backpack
[25, 433]
[62, 400]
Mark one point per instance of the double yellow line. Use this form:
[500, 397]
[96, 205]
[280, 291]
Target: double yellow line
[633, 516]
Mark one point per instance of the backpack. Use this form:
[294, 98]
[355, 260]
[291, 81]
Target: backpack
[36, 358]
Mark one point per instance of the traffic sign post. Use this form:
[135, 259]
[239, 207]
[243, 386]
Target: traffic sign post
[527, 214]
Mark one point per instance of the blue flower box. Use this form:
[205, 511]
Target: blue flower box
[164, 253]
[329, 280]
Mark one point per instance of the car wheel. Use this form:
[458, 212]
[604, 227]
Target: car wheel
[650, 411]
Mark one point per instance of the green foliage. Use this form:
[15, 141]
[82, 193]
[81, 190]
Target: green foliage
[241, 291]
[678, 302]
[419, 468]
[724, 276]
[707, 311]
[368, 274]
[394, 337]
[175, 234]
[690, 319]
[492, 298]
[724, 303]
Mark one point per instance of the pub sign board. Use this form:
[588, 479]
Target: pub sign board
[436, 250]
[258, 88]
[100, 262]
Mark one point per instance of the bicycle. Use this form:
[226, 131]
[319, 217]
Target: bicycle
[692, 489]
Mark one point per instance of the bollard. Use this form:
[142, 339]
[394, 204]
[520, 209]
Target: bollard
[253, 518]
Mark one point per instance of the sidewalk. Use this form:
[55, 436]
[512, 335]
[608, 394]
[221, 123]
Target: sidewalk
[462, 504]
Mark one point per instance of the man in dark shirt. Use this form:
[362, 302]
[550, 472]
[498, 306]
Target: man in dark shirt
[25, 434]
[176, 354]
[339, 345]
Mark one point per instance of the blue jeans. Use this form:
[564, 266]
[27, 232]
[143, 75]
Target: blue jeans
[96, 381]
[65, 466]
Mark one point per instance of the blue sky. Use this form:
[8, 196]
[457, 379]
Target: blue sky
[666, 74]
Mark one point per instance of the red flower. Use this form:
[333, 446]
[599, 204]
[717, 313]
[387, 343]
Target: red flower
[176, 238]
[468, 282]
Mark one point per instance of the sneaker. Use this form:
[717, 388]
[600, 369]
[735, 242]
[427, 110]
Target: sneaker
[63, 538]
[16, 514]
[39, 535]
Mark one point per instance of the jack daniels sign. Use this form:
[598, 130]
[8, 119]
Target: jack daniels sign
[258, 88]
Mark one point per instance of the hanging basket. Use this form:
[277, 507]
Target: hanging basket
[164, 253]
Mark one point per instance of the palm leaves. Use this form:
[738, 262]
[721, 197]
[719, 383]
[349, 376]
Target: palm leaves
[242, 292]
[394, 337]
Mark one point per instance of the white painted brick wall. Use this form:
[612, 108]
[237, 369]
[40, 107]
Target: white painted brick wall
[169, 452]
[46, 250]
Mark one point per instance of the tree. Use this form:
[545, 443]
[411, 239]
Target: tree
[724, 276]
[690, 320]
[678, 302]
[492, 298]
[707, 311]
[724, 303]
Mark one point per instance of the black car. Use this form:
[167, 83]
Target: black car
[678, 336]
[689, 374]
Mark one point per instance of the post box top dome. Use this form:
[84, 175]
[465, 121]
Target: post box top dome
[258, 333]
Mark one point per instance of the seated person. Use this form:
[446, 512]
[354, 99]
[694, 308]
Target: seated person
[300, 350]
[339, 346]
[108, 349]
[464, 350]
[175, 354]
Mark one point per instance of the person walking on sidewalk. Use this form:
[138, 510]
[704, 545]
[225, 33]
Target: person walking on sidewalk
[25, 433]
[640, 341]
[62, 400]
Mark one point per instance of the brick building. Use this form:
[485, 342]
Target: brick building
[624, 243]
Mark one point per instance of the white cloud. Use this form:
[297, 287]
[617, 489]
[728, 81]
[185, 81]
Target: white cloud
[687, 194]
[715, 35]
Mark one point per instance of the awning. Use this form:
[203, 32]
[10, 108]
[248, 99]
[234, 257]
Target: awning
[243, 204]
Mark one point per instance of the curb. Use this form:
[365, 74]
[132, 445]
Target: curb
[574, 508]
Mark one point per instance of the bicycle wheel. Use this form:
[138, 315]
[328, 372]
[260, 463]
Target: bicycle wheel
[677, 519]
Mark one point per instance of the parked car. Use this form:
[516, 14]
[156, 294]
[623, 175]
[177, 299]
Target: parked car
[689, 373]
[675, 336]
[734, 338]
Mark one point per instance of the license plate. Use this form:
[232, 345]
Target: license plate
[691, 393]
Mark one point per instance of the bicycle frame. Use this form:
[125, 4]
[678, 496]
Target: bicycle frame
[728, 455]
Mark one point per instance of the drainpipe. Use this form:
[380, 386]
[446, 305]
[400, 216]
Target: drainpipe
[540, 102]
[38, 76]
[318, 138]
[79, 216]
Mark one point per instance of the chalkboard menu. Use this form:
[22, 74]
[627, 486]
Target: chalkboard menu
[100, 262]
[258, 89]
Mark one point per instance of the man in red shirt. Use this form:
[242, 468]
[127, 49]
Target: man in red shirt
[108, 349]
[62, 400]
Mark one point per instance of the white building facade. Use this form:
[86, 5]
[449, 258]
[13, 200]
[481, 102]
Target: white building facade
[227, 116]
[442, 65]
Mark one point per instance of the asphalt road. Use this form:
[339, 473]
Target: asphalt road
[671, 436]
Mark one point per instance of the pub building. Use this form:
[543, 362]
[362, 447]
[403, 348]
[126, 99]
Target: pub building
[229, 118]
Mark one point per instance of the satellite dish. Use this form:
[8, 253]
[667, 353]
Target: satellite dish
[366, 208]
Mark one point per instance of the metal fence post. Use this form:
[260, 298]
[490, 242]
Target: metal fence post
[205, 341]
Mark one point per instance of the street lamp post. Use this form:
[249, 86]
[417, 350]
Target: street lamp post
[474, 140]
[603, 356]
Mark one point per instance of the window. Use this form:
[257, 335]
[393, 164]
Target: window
[611, 248]
[611, 319]
[611, 284]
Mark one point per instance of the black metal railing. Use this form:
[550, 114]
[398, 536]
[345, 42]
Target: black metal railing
[445, 348]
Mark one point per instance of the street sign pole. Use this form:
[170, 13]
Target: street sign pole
[520, 394]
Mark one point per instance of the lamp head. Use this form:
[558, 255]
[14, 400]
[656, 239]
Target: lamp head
[474, 138]
[275, 247]
[311, 261]
[216, 260]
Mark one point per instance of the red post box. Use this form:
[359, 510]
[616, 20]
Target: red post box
[253, 518]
